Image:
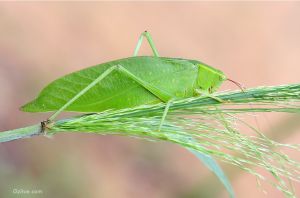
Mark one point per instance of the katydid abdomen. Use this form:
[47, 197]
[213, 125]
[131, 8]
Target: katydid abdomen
[178, 78]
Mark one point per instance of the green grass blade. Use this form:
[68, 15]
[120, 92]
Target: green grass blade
[212, 165]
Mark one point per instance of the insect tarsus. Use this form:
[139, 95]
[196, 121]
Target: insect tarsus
[44, 126]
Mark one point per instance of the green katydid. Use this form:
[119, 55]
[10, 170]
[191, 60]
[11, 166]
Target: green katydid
[128, 82]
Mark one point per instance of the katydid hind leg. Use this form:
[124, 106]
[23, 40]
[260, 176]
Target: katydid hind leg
[156, 91]
[88, 87]
[160, 94]
[147, 35]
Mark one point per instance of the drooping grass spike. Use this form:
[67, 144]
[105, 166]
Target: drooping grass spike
[128, 82]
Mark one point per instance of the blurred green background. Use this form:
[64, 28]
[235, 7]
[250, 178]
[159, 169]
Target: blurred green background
[255, 43]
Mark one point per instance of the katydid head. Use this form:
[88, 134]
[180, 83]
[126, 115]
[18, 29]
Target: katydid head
[209, 79]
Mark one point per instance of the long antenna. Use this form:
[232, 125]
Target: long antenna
[237, 84]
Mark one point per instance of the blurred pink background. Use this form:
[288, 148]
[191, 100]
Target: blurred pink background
[255, 43]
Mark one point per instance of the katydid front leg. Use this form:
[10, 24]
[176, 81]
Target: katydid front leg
[200, 92]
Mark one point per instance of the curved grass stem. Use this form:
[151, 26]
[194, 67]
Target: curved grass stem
[20, 133]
